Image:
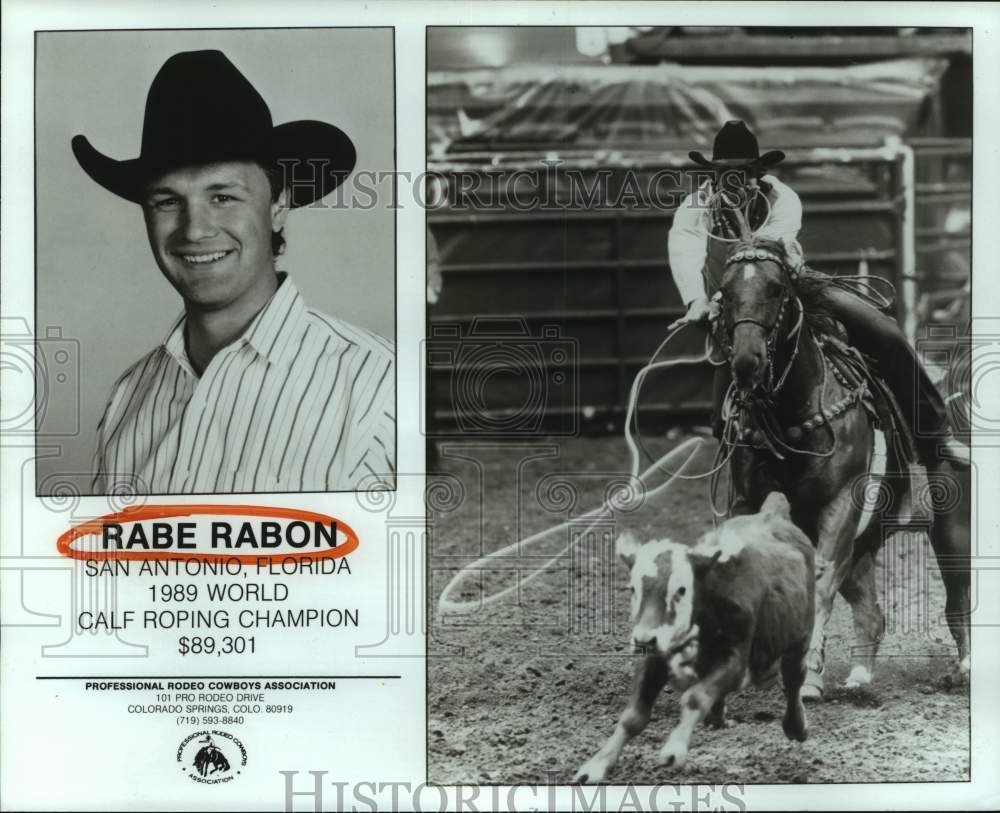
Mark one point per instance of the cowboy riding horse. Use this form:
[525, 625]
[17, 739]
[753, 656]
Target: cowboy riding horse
[810, 367]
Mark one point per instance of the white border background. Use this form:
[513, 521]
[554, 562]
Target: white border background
[16, 243]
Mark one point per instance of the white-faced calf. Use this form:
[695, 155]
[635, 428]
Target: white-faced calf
[713, 618]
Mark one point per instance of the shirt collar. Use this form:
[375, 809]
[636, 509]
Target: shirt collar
[275, 332]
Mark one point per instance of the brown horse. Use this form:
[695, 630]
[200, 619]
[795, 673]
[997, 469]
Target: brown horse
[798, 422]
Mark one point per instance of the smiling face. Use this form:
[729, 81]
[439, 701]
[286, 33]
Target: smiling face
[210, 231]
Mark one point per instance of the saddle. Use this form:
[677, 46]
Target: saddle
[854, 370]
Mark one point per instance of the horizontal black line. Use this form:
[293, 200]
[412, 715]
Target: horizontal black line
[219, 677]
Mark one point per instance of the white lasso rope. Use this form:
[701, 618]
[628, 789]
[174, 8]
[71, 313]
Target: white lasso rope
[745, 212]
[622, 499]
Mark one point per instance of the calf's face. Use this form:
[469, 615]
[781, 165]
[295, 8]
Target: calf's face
[662, 584]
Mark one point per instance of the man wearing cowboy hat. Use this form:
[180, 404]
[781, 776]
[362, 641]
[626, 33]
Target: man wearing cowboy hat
[250, 391]
[775, 212]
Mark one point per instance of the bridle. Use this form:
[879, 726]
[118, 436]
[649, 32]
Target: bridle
[748, 416]
[724, 328]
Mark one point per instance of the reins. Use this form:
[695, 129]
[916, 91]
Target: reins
[742, 215]
[749, 417]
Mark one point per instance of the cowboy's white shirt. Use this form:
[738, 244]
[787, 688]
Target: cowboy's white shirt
[687, 244]
[301, 401]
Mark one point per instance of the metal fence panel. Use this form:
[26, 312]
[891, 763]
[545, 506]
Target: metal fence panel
[601, 277]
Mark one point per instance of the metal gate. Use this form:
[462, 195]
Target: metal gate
[943, 230]
[593, 282]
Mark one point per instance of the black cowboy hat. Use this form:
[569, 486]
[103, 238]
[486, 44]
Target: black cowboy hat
[200, 109]
[736, 147]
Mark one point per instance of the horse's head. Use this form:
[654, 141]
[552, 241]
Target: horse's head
[755, 291]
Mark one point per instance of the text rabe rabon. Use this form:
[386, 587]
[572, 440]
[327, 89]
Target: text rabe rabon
[219, 535]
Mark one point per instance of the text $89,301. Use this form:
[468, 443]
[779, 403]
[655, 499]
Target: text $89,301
[209, 645]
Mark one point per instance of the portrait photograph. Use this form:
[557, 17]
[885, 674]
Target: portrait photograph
[215, 261]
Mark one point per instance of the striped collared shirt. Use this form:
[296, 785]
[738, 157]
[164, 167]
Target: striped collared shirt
[300, 402]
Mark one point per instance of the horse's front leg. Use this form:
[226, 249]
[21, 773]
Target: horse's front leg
[650, 677]
[835, 530]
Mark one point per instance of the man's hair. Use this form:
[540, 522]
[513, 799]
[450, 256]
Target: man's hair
[277, 182]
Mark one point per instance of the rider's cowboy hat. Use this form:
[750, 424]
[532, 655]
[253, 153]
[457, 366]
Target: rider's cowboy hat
[200, 109]
[736, 147]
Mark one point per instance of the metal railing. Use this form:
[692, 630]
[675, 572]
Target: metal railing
[943, 236]
[602, 275]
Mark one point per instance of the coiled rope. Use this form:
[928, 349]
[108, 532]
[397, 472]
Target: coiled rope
[622, 499]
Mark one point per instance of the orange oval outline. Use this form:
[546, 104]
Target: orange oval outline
[139, 513]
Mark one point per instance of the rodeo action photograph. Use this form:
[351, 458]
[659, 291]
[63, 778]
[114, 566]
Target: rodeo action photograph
[698, 404]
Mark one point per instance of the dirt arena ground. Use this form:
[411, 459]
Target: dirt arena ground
[526, 690]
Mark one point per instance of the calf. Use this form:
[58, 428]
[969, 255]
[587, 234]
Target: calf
[713, 618]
